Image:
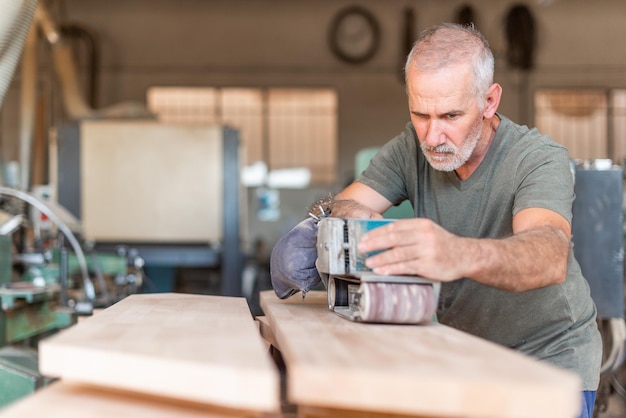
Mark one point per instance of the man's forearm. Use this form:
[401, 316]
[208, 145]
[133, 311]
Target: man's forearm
[351, 209]
[528, 260]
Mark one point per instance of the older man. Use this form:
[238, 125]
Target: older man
[493, 204]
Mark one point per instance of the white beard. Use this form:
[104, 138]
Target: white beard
[454, 157]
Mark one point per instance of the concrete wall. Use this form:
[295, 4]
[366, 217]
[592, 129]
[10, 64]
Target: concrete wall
[284, 43]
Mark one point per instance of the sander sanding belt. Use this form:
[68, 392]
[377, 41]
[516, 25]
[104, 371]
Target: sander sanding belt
[400, 303]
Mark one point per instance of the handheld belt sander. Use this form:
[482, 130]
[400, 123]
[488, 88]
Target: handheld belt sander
[358, 294]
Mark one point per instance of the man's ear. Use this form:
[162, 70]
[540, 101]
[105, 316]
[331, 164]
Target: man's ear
[492, 100]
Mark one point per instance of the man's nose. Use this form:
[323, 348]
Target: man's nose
[434, 134]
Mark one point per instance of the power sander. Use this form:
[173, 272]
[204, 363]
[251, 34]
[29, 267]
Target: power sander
[358, 294]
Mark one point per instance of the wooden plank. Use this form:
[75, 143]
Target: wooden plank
[425, 370]
[70, 400]
[317, 412]
[193, 347]
[266, 330]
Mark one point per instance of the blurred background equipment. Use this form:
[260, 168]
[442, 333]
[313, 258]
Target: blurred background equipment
[45, 286]
[169, 190]
[49, 273]
[598, 235]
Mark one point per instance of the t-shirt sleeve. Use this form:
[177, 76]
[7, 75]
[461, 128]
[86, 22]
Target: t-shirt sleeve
[545, 180]
[386, 172]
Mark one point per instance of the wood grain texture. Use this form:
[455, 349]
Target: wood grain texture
[192, 347]
[424, 370]
[266, 330]
[317, 412]
[71, 400]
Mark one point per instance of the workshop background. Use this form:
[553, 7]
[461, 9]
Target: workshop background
[138, 45]
[306, 90]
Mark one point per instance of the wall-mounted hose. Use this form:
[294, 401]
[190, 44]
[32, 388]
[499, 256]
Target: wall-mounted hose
[28, 104]
[75, 104]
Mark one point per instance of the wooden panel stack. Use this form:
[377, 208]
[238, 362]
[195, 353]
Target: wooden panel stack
[203, 353]
[424, 370]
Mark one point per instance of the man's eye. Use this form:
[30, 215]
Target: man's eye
[452, 115]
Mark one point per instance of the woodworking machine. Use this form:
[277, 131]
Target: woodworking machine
[358, 294]
[44, 287]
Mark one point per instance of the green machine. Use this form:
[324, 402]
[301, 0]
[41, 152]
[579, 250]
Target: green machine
[44, 288]
[27, 311]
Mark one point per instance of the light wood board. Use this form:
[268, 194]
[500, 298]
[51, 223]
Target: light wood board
[266, 330]
[150, 181]
[424, 370]
[70, 400]
[192, 347]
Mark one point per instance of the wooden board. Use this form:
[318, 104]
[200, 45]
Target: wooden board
[193, 347]
[266, 330]
[68, 400]
[424, 370]
[148, 181]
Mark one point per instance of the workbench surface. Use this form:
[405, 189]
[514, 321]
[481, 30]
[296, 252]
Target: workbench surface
[423, 370]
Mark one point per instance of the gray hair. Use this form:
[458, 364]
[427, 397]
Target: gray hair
[449, 43]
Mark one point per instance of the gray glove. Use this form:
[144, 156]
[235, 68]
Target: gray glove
[292, 263]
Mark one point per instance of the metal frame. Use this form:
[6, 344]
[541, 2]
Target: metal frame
[226, 255]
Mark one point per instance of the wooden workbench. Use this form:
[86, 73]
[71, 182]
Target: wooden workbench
[340, 368]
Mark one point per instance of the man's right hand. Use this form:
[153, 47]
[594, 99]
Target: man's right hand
[292, 263]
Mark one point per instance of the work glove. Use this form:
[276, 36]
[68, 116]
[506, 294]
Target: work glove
[292, 263]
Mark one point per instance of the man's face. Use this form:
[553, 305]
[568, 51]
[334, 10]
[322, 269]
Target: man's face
[446, 117]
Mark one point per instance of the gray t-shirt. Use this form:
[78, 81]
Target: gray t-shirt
[522, 169]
